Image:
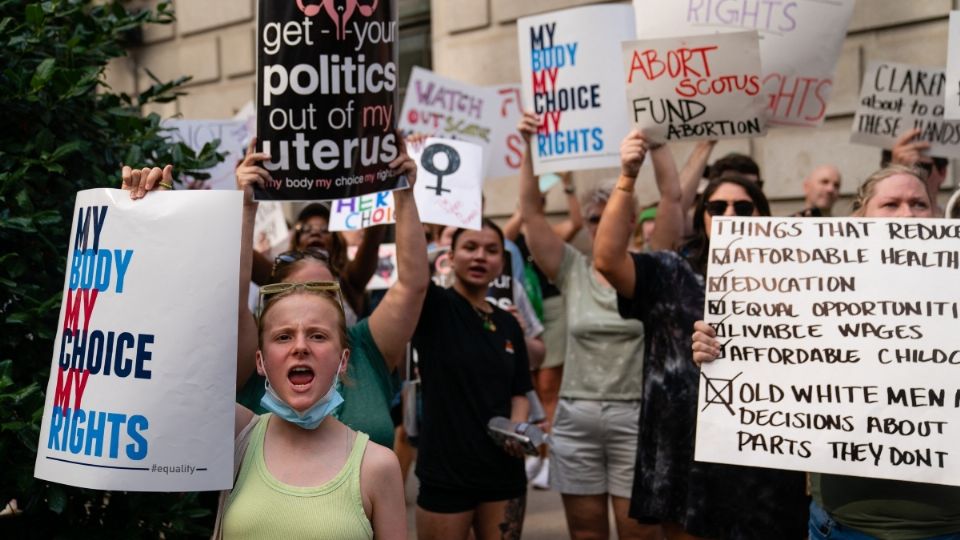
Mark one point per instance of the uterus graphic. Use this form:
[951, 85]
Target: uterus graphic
[339, 11]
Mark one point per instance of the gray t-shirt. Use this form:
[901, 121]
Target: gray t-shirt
[604, 351]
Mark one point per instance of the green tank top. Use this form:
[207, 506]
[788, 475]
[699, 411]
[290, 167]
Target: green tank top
[260, 506]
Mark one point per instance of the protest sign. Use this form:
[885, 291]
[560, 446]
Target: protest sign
[500, 291]
[326, 96]
[448, 190]
[800, 44]
[952, 93]
[386, 274]
[699, 87]
[566, 79]
[233, 138]
[839, 347]
[896, 98]
[505, 154]
[141, 389]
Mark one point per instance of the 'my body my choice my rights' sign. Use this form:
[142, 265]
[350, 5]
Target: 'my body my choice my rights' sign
[326, 98]
[141, 387]
[840, 347]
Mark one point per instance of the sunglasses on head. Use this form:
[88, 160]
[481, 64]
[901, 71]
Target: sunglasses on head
[927, 166]
[330, 288]
[740, 208]
[290, 257]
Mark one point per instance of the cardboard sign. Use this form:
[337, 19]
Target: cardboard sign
[566, 79]
[896, 98]
[326, 98]
[840, 347]
[141, 390]
[800, 44]
[700, 87]
[386, 274]
[448, 190]
[952, 92]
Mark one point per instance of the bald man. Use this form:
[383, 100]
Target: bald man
[821, 188]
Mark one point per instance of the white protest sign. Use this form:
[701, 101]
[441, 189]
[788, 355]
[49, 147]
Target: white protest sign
[566, 79]
[896, 98]
[800, 44]
[505, 153]
[270, 229]
[952, 93]
[449, 109]
[698, 87]
[233, 135]
[448, 190]
[141, 390]
[840, 347]
[386, 274]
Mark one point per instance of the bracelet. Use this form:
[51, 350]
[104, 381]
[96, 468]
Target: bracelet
[569, 190]
[627, 190]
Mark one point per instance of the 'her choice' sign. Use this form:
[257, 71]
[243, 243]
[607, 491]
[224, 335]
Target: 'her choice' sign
[326, 95]
[800, 43]
[448, 190]
[141, 390]
[699, 87]
[896, 98]
[840, 347]
[566, 80]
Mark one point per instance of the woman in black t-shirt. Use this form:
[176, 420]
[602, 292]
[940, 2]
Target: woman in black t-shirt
[473, 367]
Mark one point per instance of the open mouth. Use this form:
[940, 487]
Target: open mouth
[300, 377]
[477, 270]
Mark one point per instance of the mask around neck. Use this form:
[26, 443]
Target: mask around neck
[313, 416]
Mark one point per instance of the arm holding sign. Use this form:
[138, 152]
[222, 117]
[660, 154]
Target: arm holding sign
[393, 322]
[692, 171]
[364, 264]
[545, 245]
[706, 348]
[671, 219]
[610, 254]
[569, 228]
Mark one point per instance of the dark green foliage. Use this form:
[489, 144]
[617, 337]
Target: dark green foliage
[63, 130]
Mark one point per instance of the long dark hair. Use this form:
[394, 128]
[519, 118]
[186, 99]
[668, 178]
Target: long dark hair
[697, 245]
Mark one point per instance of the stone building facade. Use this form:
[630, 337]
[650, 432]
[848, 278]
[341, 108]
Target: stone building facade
[475, 41]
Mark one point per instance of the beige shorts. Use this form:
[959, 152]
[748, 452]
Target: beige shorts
[594, 447]
[554, 332]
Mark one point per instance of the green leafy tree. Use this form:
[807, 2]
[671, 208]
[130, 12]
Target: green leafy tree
[64, 130]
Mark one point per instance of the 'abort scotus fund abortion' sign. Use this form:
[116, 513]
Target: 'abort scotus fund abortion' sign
[326, 97]
[840, 350]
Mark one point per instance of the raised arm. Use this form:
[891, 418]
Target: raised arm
[610, 255]
[364, 264]
[249, 172]
[671, 213]
[511, 229]
[393, 322]
[545, 246]
[692, 172]
[569, 227]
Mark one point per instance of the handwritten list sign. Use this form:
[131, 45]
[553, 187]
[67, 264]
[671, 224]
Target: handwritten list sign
[700, 87]
[896, 98]
[566, 79]
[800, 43]
[840, 347]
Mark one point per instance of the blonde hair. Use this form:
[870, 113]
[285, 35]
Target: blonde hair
[868, 188]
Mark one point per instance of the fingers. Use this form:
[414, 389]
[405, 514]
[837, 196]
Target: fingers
[705, 346]
[633, 150]
[153, 177]
[529, 124]
[705, 327]
[126, 177]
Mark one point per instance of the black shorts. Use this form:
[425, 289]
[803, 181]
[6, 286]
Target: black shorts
[452, 501]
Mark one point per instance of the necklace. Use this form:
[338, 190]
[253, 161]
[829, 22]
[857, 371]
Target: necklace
[486, 318]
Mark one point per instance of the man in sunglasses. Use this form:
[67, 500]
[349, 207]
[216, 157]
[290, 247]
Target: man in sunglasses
[910, 151]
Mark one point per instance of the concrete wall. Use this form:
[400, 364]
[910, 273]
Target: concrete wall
[213, 41]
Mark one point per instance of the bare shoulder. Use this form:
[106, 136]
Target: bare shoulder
[378, 461]
[242, 417]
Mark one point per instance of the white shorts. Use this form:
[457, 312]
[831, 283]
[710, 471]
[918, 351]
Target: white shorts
[594, 447]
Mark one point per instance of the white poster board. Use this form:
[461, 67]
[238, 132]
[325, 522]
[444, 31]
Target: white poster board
[448, 190]
[840, 347]
[800, 44]
[141, 390]
[952, 92]
[896, 98]
[566, 78]
[505, 153]
[386, 274]
[697, 87]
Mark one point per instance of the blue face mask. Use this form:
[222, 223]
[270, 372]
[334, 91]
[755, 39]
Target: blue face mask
[310, 418]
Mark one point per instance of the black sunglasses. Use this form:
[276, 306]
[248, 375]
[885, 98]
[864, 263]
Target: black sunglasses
[593, 220]
[740, 208]
[927, 166]
[290, 257]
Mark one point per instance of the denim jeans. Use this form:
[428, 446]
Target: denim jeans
[824, 527]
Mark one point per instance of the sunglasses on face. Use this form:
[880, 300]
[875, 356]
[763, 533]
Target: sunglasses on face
[290, 257]
[740, 208]
[928, 166]
[311, 229]
[328, 288]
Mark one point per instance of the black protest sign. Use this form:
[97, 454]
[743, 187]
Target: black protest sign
[326, 96]
[500, 291]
